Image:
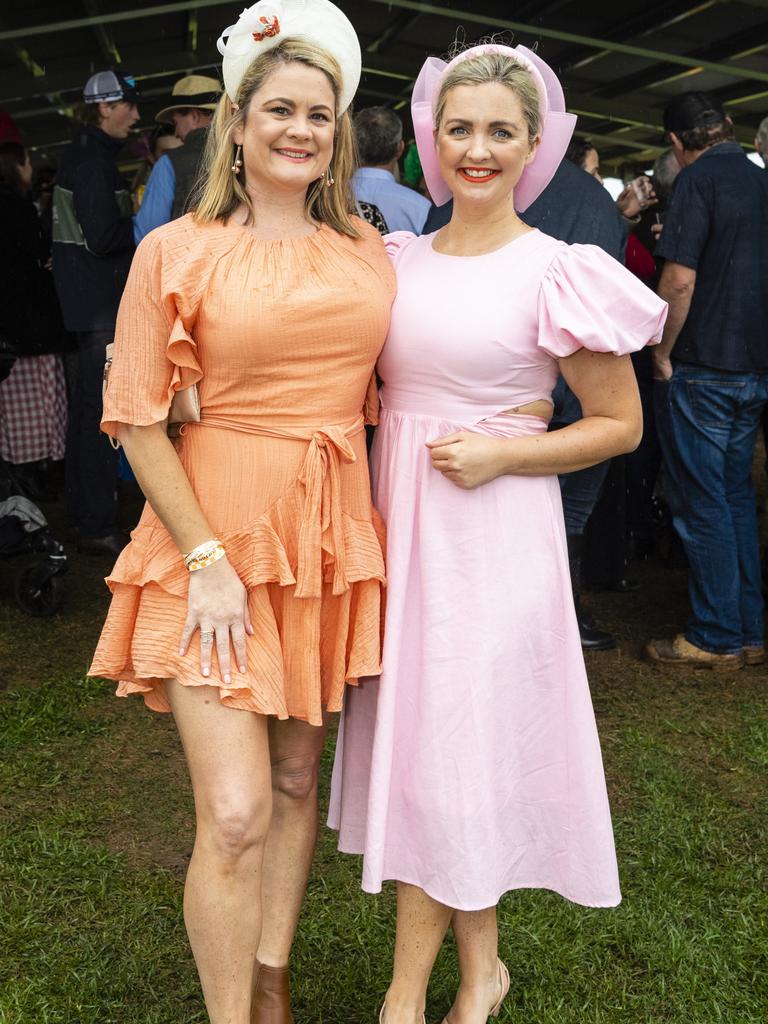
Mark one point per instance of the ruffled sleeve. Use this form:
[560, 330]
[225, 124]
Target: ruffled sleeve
[589, 300]
[396, 241]
[155, 353]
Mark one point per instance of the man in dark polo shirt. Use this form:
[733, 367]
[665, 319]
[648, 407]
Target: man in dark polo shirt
[712, 374]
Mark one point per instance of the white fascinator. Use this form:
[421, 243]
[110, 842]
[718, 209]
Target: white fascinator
[270, 22]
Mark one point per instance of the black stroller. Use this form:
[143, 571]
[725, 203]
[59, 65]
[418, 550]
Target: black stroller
[38, 585]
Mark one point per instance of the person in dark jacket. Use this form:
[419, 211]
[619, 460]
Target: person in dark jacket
[33, 410]
[92, 251]
[174, 175]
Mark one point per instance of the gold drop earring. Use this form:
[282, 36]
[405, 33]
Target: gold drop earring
[328, 177]
[238, 164]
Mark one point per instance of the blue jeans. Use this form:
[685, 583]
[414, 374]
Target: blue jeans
[708, 423]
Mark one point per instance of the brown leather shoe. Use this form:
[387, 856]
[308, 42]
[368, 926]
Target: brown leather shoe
[271, 1003]
[754, 655]
[678, 651]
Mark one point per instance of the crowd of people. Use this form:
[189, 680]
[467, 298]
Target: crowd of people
[548, 368]
[57, 378]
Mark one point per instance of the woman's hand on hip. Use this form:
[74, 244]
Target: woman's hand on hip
[467, 459]
[217, 605]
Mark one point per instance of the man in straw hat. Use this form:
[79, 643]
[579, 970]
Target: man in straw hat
[174, 175]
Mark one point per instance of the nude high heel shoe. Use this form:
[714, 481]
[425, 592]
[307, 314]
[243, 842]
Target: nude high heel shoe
[503, 989]
[503, 985]
[381, 1016]
[271, 1003]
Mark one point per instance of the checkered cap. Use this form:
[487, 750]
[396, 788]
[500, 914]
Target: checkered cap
[110, 86]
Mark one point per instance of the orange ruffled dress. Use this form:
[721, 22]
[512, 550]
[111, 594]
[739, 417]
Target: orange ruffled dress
[281, 338]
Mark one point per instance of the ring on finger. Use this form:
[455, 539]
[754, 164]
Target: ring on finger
[206, 636]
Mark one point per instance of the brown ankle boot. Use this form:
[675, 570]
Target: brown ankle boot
[271, 1002]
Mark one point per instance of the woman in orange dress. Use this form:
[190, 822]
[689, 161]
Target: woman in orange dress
[251, 591]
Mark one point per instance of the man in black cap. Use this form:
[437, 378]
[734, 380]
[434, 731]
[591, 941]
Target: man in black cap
[711, 370]
[92, 252]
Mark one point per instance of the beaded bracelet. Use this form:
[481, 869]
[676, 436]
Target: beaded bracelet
[204, 554]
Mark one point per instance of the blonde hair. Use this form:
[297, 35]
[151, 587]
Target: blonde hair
[219, 191]
[494, 67]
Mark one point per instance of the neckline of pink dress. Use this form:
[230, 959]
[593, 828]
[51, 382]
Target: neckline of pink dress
[483, 255]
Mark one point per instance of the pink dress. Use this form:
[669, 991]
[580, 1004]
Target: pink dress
[472, 765]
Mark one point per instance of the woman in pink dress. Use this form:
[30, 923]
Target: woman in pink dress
[472, 765]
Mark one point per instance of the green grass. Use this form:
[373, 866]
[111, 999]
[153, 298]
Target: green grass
[95, 832]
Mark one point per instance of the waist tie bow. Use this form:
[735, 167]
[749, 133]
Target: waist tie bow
[322, 523]
[319, 474]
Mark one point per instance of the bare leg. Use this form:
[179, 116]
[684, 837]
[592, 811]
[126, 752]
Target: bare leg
[295, 749]
[421, 926]
[477, 939]
[228, 757]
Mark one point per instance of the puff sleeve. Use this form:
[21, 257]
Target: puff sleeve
[396, 241]
[589, 300]
[154, 353]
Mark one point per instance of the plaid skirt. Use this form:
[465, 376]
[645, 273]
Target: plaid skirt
[33, 410]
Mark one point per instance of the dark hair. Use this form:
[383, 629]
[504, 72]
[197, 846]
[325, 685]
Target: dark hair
[42, 184]
[12, 158]
[577, 152]
[89, 113]
[378, 132]
[708, 135]
[159, 131]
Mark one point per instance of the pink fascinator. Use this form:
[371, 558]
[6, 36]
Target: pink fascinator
[557, 125]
